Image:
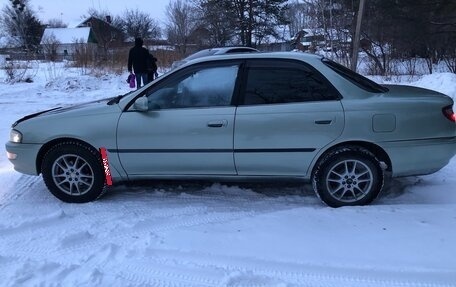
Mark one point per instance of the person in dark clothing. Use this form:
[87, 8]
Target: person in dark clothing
[152, 68]
[138, 59]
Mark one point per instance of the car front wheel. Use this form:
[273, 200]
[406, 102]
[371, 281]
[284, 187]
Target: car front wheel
[348, 176]
[73, 172]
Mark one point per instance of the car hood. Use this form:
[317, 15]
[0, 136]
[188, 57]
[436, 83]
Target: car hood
[90, 107]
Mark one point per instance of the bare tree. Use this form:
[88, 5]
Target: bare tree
[136, 24]
[182, 22]
[219, 23]
[301, 15]
[269, 15]
[323, 25]
[380, 32]
[354, 62]
[100, 14]
[250, 21]
[84, 55]
[56, 23]
[50, 45]
[20, 21]
[257, 19]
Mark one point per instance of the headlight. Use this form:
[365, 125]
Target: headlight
[15, 136]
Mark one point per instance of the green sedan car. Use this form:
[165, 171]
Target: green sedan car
[240, 117]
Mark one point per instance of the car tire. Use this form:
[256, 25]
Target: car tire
[73, 172]
[348, 176]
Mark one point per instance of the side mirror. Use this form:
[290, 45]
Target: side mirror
[141, 104]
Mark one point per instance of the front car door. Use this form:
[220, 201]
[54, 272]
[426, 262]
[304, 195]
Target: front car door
[188, 128]
[287, 112]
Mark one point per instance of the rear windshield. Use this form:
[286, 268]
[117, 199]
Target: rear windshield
[361, 81]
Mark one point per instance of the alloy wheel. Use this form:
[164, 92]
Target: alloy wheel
[72, 174]
[349, 181]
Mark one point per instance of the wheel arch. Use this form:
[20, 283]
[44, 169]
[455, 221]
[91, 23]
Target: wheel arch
[47, 146]
[376, 150]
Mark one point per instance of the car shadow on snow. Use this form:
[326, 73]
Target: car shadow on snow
[396, 187]
[214, 190]
[393, 190]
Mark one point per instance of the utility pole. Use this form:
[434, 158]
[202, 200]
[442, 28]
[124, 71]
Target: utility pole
[357, 35]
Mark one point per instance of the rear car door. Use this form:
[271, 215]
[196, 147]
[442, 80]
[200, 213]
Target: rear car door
[188, 128]
[287, 112]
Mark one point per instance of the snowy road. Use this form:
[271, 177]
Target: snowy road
[204, 234]
[198, 234]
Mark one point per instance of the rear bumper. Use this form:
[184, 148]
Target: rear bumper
[419, 157]
[24, 157]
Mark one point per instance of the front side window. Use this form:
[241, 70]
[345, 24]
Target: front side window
[206, 87]
[278, 84]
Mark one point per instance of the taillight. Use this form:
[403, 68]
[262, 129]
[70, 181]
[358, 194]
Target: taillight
[449, 113]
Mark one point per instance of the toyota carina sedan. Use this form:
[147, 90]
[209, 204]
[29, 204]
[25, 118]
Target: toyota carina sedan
[248, 116]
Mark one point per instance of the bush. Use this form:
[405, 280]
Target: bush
[20, 71]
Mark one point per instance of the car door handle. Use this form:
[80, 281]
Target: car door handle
[323, 122]
[217, 124]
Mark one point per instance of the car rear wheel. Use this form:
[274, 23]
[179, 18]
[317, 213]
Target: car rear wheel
[73, 172]
[348, 176]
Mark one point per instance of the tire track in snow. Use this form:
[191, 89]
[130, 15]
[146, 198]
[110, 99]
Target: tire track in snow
[17, 187]
[167, 276]
[68, 244]
[239, 271]
[146, 220]
[169, 269]
[146, 228]
[160, 277]
[177, 269]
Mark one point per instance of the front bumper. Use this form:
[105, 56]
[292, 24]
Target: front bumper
[23, 156]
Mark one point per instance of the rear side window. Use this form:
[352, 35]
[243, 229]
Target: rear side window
[357, 79]
[279, 82]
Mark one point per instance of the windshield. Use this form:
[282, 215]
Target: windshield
[357, 79]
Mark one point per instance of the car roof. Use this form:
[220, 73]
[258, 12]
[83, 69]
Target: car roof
[219, 51]
[262, 55]
[227, 50]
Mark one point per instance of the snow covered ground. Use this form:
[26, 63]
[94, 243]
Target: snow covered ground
[203, 234]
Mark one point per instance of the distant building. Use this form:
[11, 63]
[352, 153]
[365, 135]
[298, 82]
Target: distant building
[310, 40]
[107, 35]
[9, 45]
[93, 36]
[155, 44]
[66, 42]
[279, 42]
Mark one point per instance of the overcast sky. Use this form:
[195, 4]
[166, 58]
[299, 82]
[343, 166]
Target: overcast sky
[70, 11]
